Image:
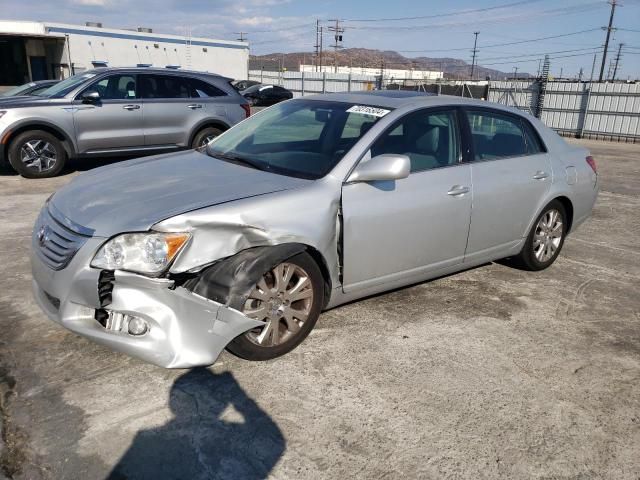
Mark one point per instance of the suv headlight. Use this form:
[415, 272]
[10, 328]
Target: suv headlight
[148, 253]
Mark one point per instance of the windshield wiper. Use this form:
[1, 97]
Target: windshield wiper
[243, 161]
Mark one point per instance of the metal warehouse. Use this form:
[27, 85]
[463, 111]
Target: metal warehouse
[32, 51]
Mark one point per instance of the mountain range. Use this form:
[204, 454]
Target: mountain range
[453, 68]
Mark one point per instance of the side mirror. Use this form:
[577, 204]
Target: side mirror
[388, 166]
[90, 96]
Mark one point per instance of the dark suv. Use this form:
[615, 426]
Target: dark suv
[116, 111]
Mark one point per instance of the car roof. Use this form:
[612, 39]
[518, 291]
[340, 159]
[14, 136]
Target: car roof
[404, 98]
[164, 71]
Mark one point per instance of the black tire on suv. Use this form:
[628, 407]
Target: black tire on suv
[37, 154]
[204, 136]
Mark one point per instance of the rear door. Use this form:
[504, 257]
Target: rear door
[115, 121]
[396, 230]
[511, 175]
[169, 110]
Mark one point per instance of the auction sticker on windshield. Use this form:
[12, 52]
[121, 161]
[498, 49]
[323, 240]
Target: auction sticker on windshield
[365, 110]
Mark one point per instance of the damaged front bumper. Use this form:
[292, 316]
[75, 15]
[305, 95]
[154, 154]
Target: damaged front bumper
[182, 329]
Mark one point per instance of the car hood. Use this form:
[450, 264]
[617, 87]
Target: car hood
[24, 101]
[135, 194]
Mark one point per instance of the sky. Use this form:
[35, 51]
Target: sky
[433, 28]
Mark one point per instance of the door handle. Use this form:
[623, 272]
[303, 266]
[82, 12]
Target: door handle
[193, 106]
[131, 107]
[540, 175]
[458, 190]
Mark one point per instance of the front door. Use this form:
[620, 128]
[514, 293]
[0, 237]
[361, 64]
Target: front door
[405, 228]
[169, 112]
[113, 123]
[511, 176]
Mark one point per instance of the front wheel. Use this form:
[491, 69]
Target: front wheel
[37, 154]
[287, 299]
[545, 239]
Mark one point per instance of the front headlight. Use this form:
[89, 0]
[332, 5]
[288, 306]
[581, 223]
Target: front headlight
[140, 252]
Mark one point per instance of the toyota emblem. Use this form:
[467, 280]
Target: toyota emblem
[42, 235]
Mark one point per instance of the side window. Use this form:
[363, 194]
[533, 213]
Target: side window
[428, 138]
[202, 89]
[163, 86]
[496, 135]
[534, 143]
[116, 87]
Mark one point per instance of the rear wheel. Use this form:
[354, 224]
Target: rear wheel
[204, 136]
[287, 299]
[545, 239]
[37, 154]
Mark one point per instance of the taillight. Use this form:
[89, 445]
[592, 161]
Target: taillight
[247, 109]
[592, 163]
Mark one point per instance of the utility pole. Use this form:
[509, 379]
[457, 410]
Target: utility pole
[241, 36]
[560, 77]
[474, 51]
[580, 73]
[593, 66]
[606, 41]
[515, 73]
[337, 35]
[615, 68]
[539, 66]
[317, 45]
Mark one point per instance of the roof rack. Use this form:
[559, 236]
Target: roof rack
[173, 67]
[144, 65]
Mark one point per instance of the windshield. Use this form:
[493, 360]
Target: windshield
[300, 138]
[65, 86]
[15, 90]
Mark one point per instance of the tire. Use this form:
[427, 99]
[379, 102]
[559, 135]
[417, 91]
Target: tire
[265, 343]
[204, 136]
[37, 154]
[544, 238]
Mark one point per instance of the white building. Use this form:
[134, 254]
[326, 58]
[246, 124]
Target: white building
[388, 73]
[43, 50]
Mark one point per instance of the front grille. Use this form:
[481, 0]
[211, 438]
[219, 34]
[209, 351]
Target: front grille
[57, 239]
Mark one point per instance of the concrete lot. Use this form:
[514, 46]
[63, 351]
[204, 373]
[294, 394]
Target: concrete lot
[491, 373]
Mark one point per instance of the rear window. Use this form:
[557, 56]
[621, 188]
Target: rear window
[496, 135]
[202, 89]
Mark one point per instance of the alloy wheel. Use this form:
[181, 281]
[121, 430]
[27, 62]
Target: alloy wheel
[38, 155]
[205, 141]
[282, 299]
[548, 235]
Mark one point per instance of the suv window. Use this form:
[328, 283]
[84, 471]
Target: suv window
[163, 86]
[116, 87]
[496, 135]
[202, 89]
[428, 138]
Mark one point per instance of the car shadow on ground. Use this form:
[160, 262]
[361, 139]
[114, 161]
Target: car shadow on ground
[217, 432]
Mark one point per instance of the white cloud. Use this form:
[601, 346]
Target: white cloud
[255, 21]
[92, 3]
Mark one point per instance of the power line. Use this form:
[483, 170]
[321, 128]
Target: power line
[440, 15]
[606, 42]
[535, 59]
[572, 10]
[537, 54]
[505, 44]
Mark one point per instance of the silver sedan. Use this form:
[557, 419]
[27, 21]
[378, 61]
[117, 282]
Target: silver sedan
[305, 206]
